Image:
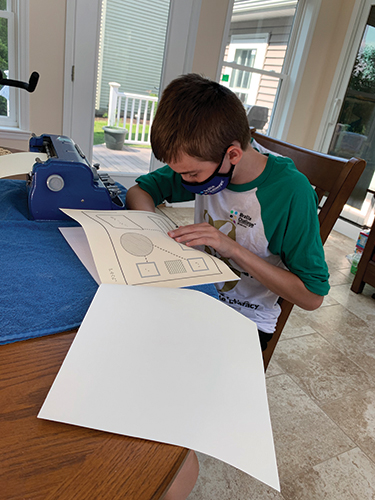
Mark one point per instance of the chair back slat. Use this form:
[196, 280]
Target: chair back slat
[322, 170]
[320, 193]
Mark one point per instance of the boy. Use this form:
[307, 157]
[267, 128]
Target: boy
[256, 212]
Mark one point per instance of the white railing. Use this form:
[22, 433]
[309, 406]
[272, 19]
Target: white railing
[128, 110]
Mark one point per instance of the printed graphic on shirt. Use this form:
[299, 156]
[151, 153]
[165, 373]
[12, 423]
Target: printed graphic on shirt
[241, 219]
[234, 216]
[234, 302]
[231, 232]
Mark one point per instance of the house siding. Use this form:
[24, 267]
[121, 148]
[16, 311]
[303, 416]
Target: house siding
[278, 30]
[132, 47]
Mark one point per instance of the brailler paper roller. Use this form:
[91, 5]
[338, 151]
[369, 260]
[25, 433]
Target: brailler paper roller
[67, 180]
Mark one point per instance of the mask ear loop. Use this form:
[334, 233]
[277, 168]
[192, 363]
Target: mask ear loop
[224, 155]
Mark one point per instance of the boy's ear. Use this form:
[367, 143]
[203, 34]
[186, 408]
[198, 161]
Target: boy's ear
[235, 152]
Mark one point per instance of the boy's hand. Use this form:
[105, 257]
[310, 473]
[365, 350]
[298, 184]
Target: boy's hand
[204, 234]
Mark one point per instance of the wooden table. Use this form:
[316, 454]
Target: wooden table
[47, 460]
[44, 460]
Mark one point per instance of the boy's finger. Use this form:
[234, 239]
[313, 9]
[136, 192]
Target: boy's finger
[201, 227]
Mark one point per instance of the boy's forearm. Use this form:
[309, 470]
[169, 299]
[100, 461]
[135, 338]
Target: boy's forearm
[281, 281]
[138, 199]
[278, 280]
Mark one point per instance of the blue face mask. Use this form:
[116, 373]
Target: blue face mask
[215, 183]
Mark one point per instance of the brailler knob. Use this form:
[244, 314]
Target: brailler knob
[55, 182]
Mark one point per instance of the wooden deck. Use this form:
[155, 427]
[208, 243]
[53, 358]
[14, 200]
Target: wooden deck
[130, 159]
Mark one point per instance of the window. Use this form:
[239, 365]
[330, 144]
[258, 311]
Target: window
[262, 37]
[14, 114]
[249, 51]
[7, 111]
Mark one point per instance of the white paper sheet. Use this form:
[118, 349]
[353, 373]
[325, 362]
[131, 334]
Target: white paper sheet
[19, 163]
[169, 365]
[133, 248]
[76, 238]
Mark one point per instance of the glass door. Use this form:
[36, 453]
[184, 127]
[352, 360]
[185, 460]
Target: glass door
[139, 47]
[131, 53]
[354, 130]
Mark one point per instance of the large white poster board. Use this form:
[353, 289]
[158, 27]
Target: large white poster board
[169, 365]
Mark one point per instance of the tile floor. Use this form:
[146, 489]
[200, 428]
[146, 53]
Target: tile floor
[321, 391]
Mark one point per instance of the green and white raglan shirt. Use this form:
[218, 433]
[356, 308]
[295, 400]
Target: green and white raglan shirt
[274, 216]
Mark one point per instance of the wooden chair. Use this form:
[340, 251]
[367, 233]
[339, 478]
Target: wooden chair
[333, 179]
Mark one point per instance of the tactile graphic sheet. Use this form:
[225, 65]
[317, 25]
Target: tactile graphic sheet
[133, 248]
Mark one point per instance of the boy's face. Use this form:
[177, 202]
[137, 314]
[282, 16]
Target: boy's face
[193, 170]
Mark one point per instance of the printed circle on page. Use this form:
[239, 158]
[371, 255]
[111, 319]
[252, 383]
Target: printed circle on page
[136, 244]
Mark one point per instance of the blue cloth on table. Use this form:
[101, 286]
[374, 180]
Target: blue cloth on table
[44, 288]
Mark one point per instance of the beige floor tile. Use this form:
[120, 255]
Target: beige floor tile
[355, 415]
[291, 331]
[297, 322]
[328, 300]
[363, 355]
[340, 277]
[304, 436]
[273, 369]
[345, 330]
[333, 318]
[219, 481]
[342, 243]
[350, 476]
[336, 259]
[362, 305]
[322, 371]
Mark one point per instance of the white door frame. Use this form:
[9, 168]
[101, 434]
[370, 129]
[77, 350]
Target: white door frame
[81, 62]
[81, 52]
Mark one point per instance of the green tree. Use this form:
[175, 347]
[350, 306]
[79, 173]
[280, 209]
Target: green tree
[363, 74]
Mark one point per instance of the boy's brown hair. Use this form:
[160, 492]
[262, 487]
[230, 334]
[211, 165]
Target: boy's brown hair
[198, 117]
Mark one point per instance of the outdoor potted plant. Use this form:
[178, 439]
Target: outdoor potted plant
[114, 137]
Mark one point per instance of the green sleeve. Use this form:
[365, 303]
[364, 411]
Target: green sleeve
[303, 250]
[293, 229]
[164, 184]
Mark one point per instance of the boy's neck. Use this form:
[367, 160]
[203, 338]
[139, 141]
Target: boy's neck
[251, 165]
